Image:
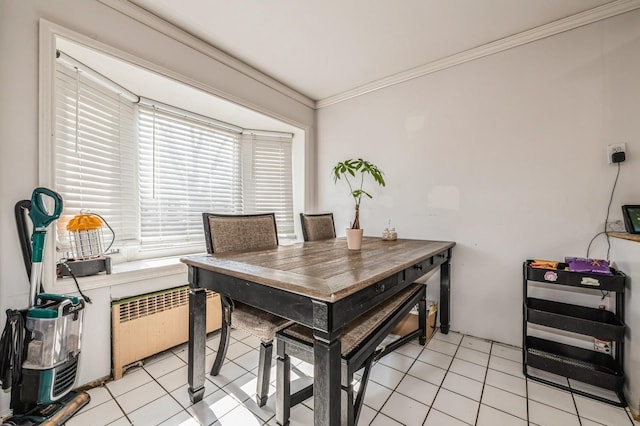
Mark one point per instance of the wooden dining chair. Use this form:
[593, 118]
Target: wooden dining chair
[317, 226]
[232, 233]
[360, 341]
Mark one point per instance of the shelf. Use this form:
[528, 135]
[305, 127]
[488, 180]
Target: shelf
[615, 282]
[587, 366]
[625, 236]
[577, 319]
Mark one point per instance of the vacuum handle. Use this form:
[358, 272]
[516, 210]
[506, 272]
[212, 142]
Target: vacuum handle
[41, 218]
[39, 215]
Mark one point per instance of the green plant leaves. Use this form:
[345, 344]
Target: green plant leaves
[362, 168]
[352, 166]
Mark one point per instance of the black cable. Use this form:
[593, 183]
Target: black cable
[606, 220]
[75, 280]
[11, 349]
[591, 242]
[113, 234]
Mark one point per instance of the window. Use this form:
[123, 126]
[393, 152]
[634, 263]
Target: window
[151, 170]
[96, 156]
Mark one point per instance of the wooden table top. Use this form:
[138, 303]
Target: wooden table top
[324, 270]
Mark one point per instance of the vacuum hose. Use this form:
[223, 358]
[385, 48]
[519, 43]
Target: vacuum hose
[11, 349]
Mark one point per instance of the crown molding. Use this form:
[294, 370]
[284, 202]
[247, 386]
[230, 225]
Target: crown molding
[152, 21]
[584, 18]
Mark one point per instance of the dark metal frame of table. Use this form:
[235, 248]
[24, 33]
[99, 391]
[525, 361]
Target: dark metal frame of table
[326, 319]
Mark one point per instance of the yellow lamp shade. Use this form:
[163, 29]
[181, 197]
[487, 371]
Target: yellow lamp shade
[84, 222]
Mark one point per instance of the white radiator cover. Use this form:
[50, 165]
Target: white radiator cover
[145, 325]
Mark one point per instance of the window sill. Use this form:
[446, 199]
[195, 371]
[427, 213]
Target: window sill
[126, 273]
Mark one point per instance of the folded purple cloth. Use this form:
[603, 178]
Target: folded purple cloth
[596, 266]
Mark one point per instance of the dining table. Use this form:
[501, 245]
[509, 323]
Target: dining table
[319, 284]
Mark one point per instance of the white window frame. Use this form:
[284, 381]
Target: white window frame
[48, 36]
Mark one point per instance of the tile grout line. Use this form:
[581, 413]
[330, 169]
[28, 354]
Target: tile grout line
[484, 383]
[126, 416]
[232, 361]
[453, 357]
[526, 393]
[169, 393]
[552, 406]
[394, 389]
[575, 404]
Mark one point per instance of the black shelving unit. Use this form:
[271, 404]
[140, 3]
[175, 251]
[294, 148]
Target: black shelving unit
[588, 366]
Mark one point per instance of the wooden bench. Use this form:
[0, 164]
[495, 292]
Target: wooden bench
[360, 341]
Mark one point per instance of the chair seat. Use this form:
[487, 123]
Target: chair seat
[257, 322]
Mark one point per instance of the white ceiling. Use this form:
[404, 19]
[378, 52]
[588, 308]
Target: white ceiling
[151, 85]
[322, 48]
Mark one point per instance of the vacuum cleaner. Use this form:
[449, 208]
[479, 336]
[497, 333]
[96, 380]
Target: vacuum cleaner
[40, 345]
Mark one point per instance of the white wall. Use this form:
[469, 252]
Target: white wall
[504, 155]
[19, 124]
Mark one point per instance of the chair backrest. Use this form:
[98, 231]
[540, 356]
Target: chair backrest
[317, 226]
[227, 233]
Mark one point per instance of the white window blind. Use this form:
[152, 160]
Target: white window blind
[267, 178]
[152, 170]
[95, 153]
[187, 167]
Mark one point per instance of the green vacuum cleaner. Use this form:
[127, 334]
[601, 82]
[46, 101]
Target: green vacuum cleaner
[43, 369]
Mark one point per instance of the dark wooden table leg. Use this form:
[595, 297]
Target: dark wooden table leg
[445, 296]
[326, 383]
[326, 368]
[197, 338]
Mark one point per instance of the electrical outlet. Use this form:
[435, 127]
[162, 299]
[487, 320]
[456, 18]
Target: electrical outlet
[613, 148]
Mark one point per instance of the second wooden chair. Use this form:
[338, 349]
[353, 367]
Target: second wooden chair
[317, 226]
[230, 233]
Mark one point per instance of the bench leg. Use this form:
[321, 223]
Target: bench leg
[283, 394]
[422, 318]
[264, 373]
[347, 407]
[363, 388]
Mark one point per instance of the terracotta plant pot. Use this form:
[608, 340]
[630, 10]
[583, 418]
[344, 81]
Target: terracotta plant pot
[354, 239]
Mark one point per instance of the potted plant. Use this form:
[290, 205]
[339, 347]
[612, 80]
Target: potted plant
[357, 169]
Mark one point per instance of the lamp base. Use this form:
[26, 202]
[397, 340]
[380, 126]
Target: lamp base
[84, 267]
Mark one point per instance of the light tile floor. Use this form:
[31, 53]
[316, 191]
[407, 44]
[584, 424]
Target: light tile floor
[454, 380]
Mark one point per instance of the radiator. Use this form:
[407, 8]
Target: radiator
[145, 325]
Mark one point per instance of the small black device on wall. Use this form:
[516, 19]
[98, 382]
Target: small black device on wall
[631, 215]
